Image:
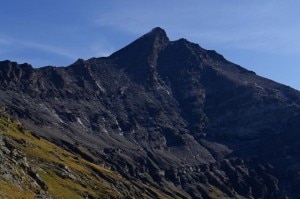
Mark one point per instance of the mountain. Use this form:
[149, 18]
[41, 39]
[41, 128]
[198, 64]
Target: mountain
[169, 114]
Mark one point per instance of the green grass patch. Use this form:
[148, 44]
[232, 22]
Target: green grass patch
[10, 191]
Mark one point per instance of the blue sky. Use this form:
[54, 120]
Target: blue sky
[260, 35]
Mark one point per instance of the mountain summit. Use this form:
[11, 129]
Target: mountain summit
[146, 45]
[140, 56]
[178, 117]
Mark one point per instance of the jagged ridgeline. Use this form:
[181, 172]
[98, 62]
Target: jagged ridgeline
[156, 119]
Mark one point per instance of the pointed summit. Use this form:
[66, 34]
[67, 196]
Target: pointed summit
[158, 30]
[140, 57]
[157, 33]
[152, 41]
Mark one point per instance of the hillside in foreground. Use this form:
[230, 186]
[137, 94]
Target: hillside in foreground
[32, 167]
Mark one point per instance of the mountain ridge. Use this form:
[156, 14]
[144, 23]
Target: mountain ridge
[168, 109]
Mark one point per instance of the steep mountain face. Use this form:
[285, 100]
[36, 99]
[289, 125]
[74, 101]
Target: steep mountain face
[32, 167]
[168, 113]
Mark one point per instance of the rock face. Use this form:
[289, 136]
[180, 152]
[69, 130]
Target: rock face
[169, 109]
[32, 167]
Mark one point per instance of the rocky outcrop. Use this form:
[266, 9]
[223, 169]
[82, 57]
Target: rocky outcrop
[18, 172]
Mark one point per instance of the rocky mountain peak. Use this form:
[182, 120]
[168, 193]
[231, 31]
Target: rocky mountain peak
[140, 57]
[149, 43]
[168, 113]
[158, 34]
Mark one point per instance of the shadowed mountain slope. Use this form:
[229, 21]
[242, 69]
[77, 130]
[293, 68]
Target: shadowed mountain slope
[170, 110]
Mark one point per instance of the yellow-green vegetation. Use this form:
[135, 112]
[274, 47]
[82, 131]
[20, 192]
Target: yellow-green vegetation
[53, 160]
[65, 174]
[10, 191]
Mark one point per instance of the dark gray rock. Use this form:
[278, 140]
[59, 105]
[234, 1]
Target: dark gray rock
[168, 109]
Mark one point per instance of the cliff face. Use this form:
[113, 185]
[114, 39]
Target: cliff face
[170, 110]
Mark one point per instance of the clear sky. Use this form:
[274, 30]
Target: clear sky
[260, 35]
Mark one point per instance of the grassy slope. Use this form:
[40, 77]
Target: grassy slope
[65, 174]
